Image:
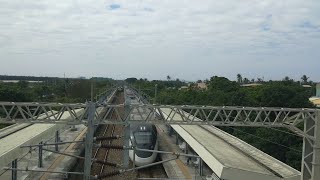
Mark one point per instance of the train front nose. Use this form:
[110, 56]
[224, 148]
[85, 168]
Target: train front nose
[143, 158]
[144, 154]
[144, 140]
[144, 137]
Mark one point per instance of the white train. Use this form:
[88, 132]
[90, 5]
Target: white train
[145, 136]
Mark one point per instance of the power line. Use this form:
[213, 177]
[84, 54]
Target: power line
[286, 132]
[295, 150]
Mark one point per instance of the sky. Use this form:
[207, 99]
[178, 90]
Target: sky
[184, 39]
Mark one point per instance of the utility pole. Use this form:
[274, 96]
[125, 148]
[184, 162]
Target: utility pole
[155, 94]
[91, 91]
[65, 84]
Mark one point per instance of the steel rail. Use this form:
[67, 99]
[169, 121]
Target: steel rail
[107, 150]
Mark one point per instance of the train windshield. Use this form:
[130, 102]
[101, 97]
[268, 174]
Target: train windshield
[143, 137]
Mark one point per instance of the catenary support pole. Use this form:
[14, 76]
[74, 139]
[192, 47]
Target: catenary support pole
[316, 150]
[200, 167]
[134, 154]
[14, 174]
[177, 139]
[310, 165]
[57, 140]
[40, 164]
[126, 133]
[155, 94]
[89, 142]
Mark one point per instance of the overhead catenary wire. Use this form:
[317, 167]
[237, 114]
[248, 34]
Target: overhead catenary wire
[286, 132]
[295, 150]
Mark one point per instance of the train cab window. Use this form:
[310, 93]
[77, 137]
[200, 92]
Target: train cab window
[143, 137]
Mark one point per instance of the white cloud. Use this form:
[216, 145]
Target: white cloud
[145, 37]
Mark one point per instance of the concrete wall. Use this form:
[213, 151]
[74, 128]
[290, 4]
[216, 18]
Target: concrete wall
[318, 90]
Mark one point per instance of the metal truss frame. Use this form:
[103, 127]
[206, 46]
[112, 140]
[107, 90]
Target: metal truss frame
[305, 122]
[102, 97]
[11, 112]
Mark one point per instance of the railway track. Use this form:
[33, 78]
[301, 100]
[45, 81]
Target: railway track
[112, 155]
[102, 154]
[108, 155]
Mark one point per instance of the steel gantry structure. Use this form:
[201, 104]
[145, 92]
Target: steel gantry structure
[304, 122]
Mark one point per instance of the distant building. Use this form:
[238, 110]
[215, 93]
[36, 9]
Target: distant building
[316, 99]
[251, 85]
[16, 81]
[183, 88]
[202, 86]
[306, 86]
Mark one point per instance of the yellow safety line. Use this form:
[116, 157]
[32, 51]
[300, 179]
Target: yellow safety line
[183, 168]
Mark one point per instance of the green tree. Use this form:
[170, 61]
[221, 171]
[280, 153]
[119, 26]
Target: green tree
[23, 84]
[131, 80]
[223, 84]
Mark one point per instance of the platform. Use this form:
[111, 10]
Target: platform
[10, 145]
[174, 169]
[240, 162]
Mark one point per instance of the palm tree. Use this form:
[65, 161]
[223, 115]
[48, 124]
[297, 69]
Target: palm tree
[286, 78]
[168, 78]
[304, 79]
[260, 80]
[239, 78]
[246, 81]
